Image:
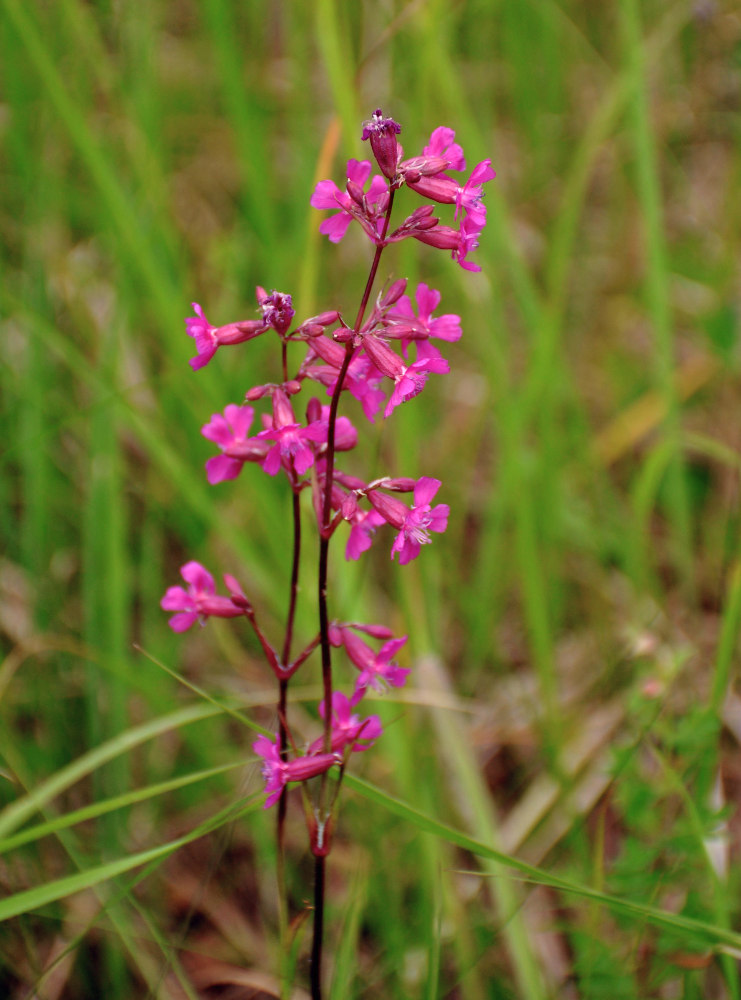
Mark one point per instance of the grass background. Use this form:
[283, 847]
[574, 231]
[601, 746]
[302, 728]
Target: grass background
[573, 635]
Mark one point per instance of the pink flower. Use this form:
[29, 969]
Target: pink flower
[461, 241]
[441, 144]
[361, 380]
[348, 729]
[468, 241]
[364, 524]
[469, 197]
[291, 439]
[367, 208]
[209, 338]
[409, 379]
[446, 327]
[414, 525]
[377, 670]
[199, 600]
[229, 432]
[278, 772]
[412, 378]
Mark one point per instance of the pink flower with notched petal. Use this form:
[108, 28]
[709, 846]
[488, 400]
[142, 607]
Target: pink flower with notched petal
[278, 772]
[441, 144]
[364, 524]
[411, 380]
[468, 241]
[291, 439]
[209, 338]
[328, 196]
[445, 327]
[229, 432]
[420, 521]
[469, 196]
[348, 729]
[377, 670]
[413, 524]
[200, 600]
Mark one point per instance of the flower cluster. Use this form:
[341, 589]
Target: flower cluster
[383, 360]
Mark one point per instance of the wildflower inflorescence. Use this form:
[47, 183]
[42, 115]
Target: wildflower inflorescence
[383, 359]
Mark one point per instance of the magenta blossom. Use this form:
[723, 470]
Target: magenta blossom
[412, 379]
[377, 670]
[364, 524]
[461, 241]
[409, 379]
[278, 772]
[469, 197]
[441, 144]
[414, 525]
[200, 600]
[423, 325]
[291, 439]
[367, 207]
[348, 729]
[361, 380]
[209, 338]
[229, 432]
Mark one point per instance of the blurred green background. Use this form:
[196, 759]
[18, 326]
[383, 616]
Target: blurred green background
[573, 636]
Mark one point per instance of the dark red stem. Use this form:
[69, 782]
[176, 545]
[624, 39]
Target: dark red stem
[325, 533]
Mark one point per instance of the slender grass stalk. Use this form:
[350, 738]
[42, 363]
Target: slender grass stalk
[657, 282]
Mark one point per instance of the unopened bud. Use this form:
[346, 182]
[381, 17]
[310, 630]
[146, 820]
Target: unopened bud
[313, 410]
[257, 392]
[356, 193]
[382, 133]
[395, 292]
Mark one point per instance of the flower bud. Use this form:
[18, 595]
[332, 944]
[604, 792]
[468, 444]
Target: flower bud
[382, 133]
[313, 410]
[394, 293]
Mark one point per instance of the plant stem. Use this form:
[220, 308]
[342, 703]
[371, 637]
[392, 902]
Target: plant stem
[324, 537]
[282, 708]
[316, 947]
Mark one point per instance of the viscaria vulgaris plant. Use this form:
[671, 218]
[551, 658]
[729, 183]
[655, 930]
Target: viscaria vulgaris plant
[383, 357]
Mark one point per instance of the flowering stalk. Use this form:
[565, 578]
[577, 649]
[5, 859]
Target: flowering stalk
[363, 361]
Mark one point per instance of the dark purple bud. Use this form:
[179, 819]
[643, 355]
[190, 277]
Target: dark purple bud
[382, 133]
[277, 310]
